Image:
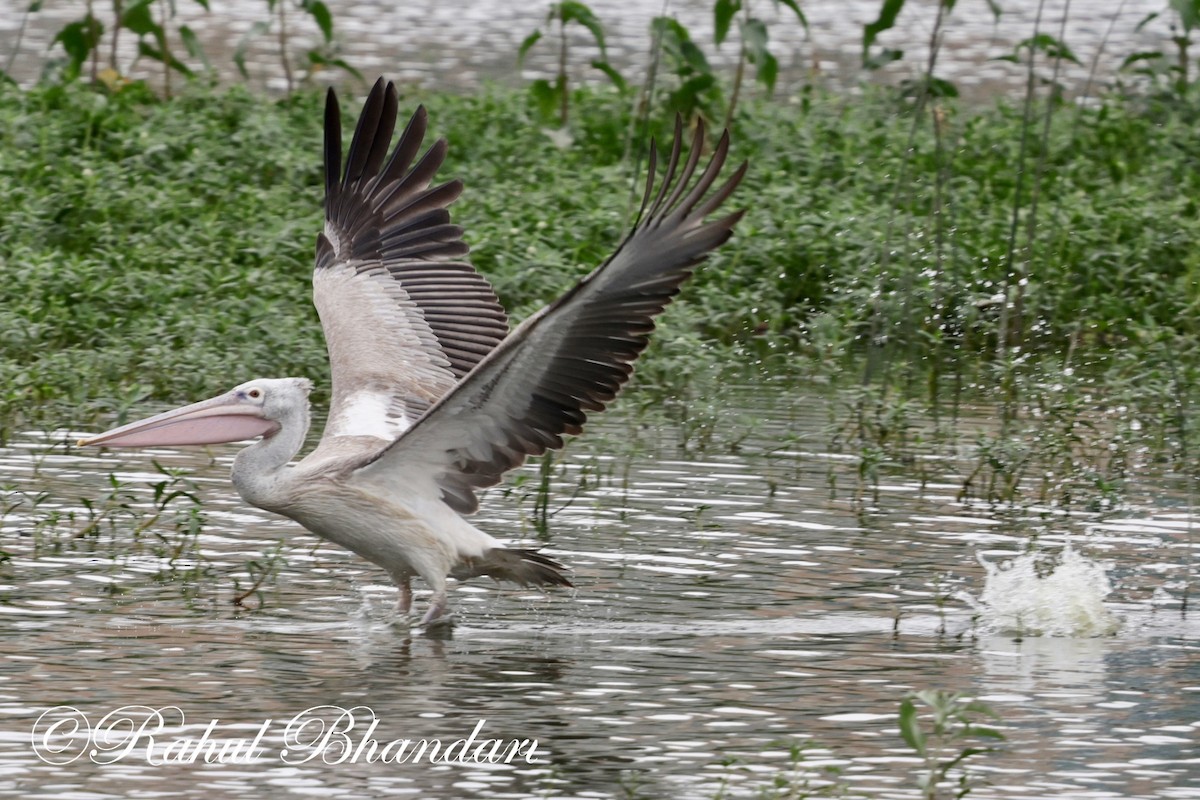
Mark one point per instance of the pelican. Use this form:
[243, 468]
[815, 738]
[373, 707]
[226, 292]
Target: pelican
[433, 398]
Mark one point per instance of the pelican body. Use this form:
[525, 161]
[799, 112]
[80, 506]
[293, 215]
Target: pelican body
[433, 397]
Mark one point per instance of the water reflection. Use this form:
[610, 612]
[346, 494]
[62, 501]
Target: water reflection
[730, 610]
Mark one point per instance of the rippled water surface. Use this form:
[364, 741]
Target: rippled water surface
[731, 604]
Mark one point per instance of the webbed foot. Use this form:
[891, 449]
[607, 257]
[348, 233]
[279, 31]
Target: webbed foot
[440, 628]
[438, 621]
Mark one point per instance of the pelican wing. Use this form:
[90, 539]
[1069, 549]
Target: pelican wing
[405, 317]
[573, 356]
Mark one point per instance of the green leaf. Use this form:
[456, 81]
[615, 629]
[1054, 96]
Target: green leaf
[1133, 58]
[150, 51]
[723, 13]
[529, 42]
[887, 18]
[1189, 13]
[1146, 20]
[699, 84]
[78, 39]
[320, 14]
[986, 732]
[996, 10]
[940, 87]
[962, 755]
[694, 56]
[191, 43]
[754, 40]
[239, 52]
[754, 36]
[203, 4]
[612, 74]
[979, 707]
[319, 58]
[138, 18]
[932, 87]
[795, 7]
[690, 93]
[910, 728]
[35, 6]
[546, 96]
[883, 58]
[571, 11]
[670, 29]
[1048, 45]
[768, 71]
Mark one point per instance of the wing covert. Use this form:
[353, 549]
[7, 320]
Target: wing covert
[572, 357]
[404, 315]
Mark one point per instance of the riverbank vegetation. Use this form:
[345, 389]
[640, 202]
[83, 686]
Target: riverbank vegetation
[160, 250]
[1036, 256]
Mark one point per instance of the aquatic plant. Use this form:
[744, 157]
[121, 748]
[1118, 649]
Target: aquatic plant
[323, 56]
[952, 736]
[796, 780]
[258, 572]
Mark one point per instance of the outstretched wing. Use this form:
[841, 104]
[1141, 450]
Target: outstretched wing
[573, 356]
[404, 316]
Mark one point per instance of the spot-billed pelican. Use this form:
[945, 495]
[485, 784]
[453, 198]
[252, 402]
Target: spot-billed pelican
[433, 398]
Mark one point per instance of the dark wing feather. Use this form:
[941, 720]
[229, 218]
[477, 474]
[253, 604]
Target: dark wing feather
[405, 317]
[572, 357]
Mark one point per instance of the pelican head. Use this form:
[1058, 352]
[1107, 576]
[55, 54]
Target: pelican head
[255, 408]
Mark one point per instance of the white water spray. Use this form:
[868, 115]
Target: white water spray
[1067, 602]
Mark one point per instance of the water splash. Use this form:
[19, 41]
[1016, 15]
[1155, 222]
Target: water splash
[1019, 598]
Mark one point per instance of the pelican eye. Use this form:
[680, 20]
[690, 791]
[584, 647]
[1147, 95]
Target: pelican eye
[254, 394]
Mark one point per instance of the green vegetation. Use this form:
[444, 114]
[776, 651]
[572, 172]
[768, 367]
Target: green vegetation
[83, 42]
[953, 735]
[944, 737]
[156, 522]
[557, 96]
[911, 253]
[160, 250]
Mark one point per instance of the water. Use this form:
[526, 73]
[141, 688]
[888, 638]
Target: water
[1026, 597]
[729, 606]
[466, 43]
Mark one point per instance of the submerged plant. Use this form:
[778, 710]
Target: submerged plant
[258, 572]
[953, 735]
[794, 781]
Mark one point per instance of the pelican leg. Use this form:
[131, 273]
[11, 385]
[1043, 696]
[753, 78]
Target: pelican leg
[437, 616]
[405, 601]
